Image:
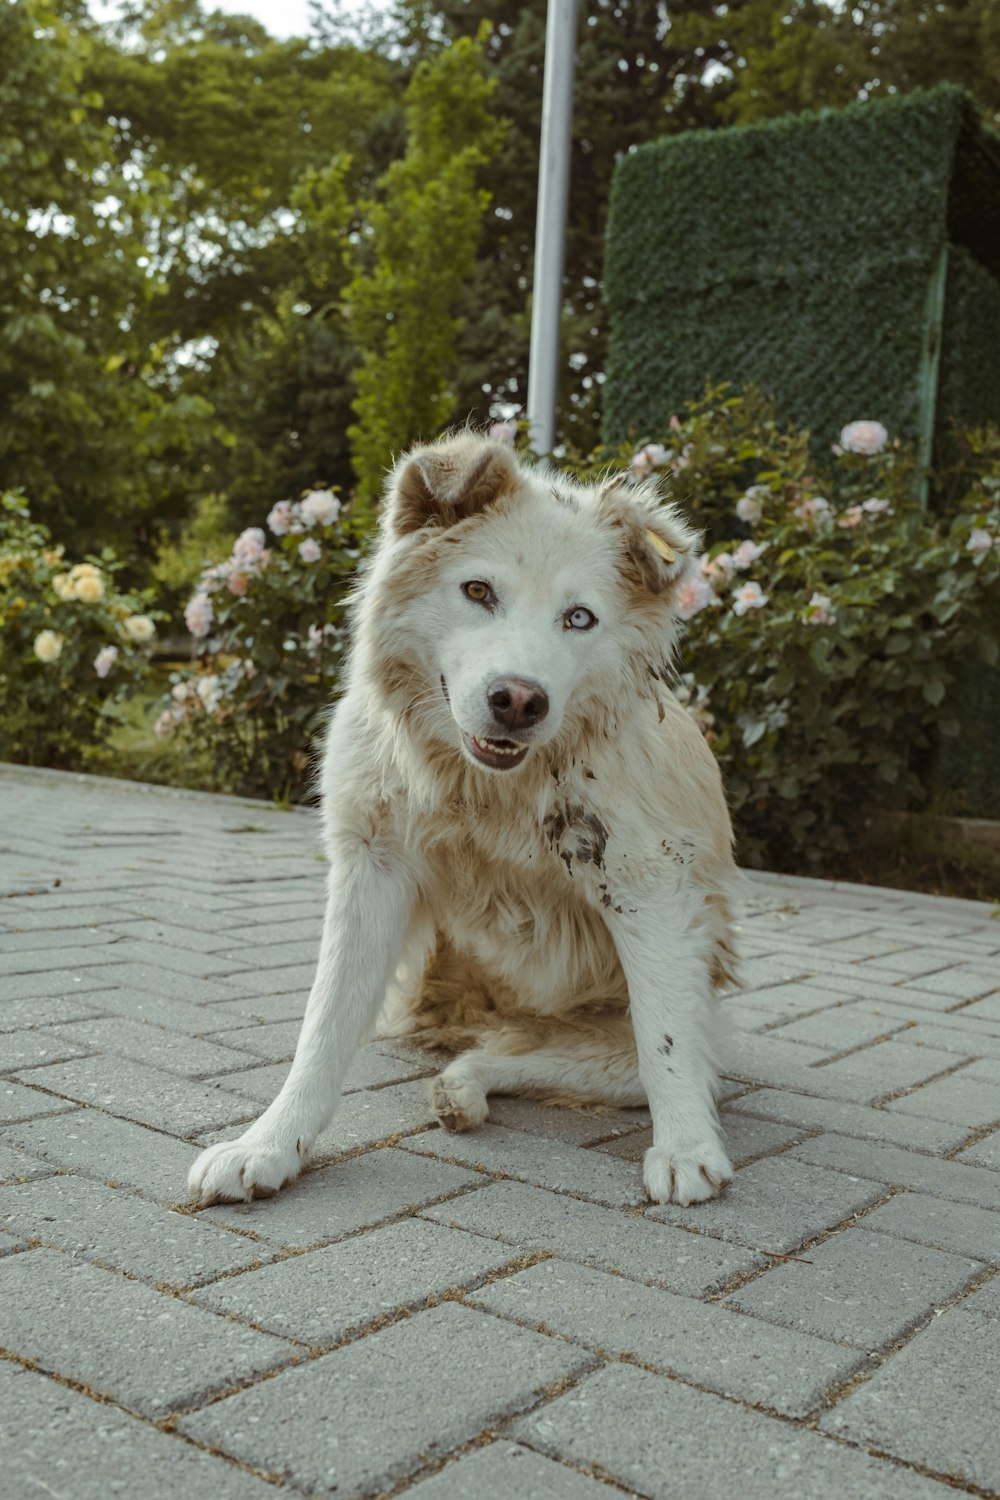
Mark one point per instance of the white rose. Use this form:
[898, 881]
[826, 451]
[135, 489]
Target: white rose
[140, 628]
[47, 645]
[321, 508]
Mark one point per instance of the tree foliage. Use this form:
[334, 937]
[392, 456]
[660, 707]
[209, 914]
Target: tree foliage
[184, 200]
[423, 231]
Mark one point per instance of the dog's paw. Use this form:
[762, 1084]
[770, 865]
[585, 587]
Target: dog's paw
[686, 1173]
[237, 1171]
[459, 1103]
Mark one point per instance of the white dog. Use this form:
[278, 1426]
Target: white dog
[529, 848]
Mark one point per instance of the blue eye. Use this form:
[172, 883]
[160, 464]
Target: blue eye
[579, 618]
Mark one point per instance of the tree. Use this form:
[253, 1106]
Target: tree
[422, 234]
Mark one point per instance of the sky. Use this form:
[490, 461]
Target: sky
[281, 17]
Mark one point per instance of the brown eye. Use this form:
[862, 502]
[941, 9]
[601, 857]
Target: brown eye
[479, 592]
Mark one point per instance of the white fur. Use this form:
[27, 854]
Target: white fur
[564, 915]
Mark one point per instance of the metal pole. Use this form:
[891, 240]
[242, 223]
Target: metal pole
[550, 222]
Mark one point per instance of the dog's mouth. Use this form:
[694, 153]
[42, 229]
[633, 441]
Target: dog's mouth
[499, 755]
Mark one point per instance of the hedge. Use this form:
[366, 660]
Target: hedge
[797, 255]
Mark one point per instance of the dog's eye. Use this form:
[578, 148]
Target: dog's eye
[479, 592]
[579, 618]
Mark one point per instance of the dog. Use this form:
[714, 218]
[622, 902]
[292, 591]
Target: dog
[530, 855]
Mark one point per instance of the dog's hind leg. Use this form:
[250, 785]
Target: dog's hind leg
[561, 1062]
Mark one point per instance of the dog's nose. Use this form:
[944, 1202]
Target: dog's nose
[516, 702]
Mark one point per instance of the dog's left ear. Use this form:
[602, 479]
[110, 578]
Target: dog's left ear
[659, 548]
[445, 482]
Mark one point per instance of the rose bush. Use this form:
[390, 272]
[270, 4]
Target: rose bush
[71, 644]
[268, 639]
[825, 630]
[831, 619]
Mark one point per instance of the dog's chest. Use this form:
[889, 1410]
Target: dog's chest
[525, 899]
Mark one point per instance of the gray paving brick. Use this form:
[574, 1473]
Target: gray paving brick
[248, 983]
[30, 1049]
[507, 1469]
[777, 968]
[533, 1219]
[15, 1015]
[79, 956]
[879, 1071]
[961, 1098]
[709, 1344]
[888, 1164]
[576, 1127]
[116, 1229]
[934, 1403]
[850, 1119]
[18, 1166]
[325, 1295]
[19, 1102]
[958, 982]
[147, 1350]
[112, 1150]
[121, 1086]
[840, 1027]
[54, 938]
[313, 1425]
[984, 1153]
[166, 1011]
[856, 984]
[548, 1164]
[274, 955]
[663, 1439]
[763, 1059]
[957, 1036]
[155, 980]
[987, 1009]
[56, 1442]
[288, 1006]
[191, 1057]
[832, 1291]
[914, 962]
[56, 984]
[335, 1201]
[948, 1226]
[776, 1204]
[273, 1041]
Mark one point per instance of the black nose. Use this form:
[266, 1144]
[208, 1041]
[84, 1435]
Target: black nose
[516, 702]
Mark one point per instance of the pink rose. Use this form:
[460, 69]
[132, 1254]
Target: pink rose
[199, 615]
[692, 597]
[280, 517]
[749, 596]
[309, 550]
[811, 510]
[851, 516]
[248, 547]
[980, 540]
[747, 553]
[819, 610]
[238, 584]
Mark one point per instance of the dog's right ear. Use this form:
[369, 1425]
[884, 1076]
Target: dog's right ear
[446, 482]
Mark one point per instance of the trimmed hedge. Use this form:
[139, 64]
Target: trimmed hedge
[797, 255]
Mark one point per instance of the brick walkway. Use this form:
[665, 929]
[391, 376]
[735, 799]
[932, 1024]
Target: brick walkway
[486, 1317]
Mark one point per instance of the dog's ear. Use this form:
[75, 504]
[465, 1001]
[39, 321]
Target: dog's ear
[659, 549]
[445, 482]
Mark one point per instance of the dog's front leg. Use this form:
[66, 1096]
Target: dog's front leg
[368, 909]
[672, 1013]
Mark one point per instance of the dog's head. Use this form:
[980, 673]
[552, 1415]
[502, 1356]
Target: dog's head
[515, 599]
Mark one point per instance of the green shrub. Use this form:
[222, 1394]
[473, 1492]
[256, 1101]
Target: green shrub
[268, 632]
[70, 644]
[833, 623]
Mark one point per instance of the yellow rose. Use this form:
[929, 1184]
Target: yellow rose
[140, 628]
[84, 570]
[89, 588]
[48, 645]
[54, 556]
[63, 586]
